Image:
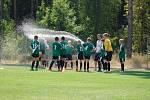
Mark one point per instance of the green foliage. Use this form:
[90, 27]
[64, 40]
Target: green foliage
[62, 16]
[42, 14]
[14, 46]
[9, 40]
[141, 23]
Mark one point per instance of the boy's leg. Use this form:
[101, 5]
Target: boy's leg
[99, 66]
[95, 65]
[80, 65]
[102, 61]
[66, 64]
[88, 66]
[32, 66]
[105, 65]
[76, 65]
[85, 65]
[37, 64]
[71, 64]
[122, 66]
[58, 64]
[51, 65]
[108, 64]
[62, 63]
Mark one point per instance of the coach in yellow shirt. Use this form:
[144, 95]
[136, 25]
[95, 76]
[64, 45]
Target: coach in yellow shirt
[109, 51]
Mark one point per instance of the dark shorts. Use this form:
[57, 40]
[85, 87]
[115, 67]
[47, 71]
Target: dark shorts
[87, 57]
[108, 57]
[43, 52]
[80, 56]
[35, 55]
[97, 56]
[122, 60]
[55, 58]
[62, 56]
[69, 57]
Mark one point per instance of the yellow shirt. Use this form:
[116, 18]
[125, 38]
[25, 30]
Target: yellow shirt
[107, 45]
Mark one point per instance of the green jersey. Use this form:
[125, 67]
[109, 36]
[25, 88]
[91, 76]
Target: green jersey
[79, 48]
[88, 47]
[122, 52]
[63, 47]
[35, 45]
[69, 49]
[56, 47]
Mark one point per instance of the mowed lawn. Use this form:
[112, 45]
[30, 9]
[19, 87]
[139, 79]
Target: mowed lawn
[18, 83]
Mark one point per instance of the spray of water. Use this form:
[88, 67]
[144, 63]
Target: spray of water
[30, 30]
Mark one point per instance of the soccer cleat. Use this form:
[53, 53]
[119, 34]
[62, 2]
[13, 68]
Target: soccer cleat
[36, 69]
[32, 70]
[76, 70]
[63, 70]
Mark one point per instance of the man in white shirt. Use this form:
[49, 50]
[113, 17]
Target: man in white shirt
[99, 46]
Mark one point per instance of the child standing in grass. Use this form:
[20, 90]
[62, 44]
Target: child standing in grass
[88, 49]
[99, 46]
[122, 54]
[35, 46]
[69, 53]
[109, 51]
[63, 53]
[79, 48]
[56, 47]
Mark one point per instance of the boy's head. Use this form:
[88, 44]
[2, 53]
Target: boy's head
[79, 42]
[63, 38]
[69, 42]
[35, 37]
[56, 39]
[99, 36]
[105, 35]
[121, 41]
[88, 39]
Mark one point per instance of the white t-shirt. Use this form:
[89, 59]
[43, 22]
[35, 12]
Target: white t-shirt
[99, 45]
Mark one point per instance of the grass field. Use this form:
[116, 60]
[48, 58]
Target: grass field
[18, 83]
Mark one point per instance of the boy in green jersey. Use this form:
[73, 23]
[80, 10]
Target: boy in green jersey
[79, 49]
[56, 47]
[122, 54]
[69, 53]
[88, 49]
[35, 46]
[63, 53]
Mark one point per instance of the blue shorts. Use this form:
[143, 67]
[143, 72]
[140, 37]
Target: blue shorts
[97, 56]
[108, 56]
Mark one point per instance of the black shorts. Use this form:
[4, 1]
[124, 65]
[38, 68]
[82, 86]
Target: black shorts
[97, 56]
[80, 56]
[62, 56]
[122, 60]
[43, 52]
[69, 57]
[108, 57]
[35, 55]
[55, 58]
[87, 57]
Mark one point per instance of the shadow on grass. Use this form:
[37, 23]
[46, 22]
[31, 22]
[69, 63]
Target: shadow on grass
[142, 74]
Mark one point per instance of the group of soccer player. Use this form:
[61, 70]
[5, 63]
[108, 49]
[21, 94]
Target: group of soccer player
[63, 51]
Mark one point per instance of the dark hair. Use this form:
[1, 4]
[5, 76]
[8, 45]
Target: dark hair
[56, 38]
[35, 37]
[63, 38]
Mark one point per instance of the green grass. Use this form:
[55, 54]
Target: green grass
[18, 83]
